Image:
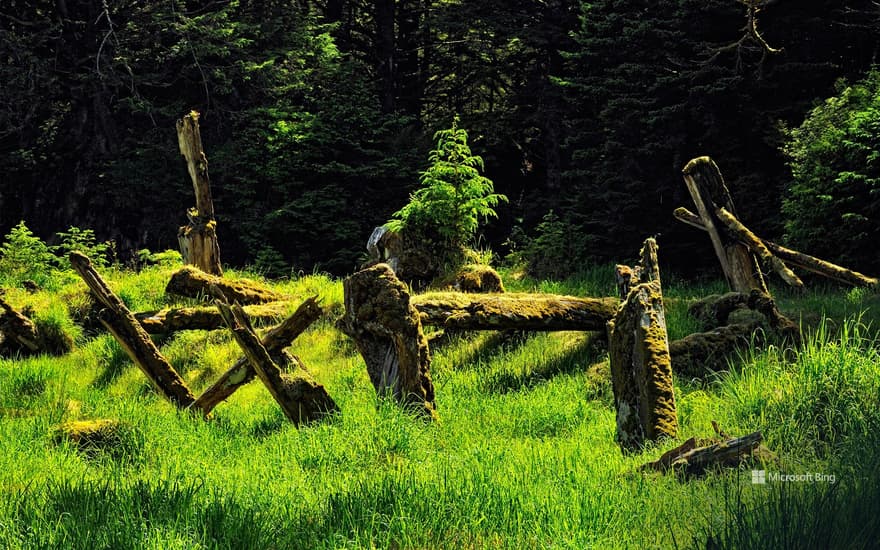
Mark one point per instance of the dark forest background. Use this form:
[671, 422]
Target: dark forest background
[317, 117]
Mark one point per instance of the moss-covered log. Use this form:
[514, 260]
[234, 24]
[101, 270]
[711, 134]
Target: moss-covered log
[693, 459]
[641, 370]
[133, 338]
[713, 311]
[542, 312]
[386, 329]
[203, 318]
[17, 332]
[275, 340]
[198, 239]
[787, 329]
[701, 353]
[708, 191]
[301, 398]
[195, 283]
[745, 236]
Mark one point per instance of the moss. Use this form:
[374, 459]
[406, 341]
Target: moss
[473, 278]
[101, 437]
[699, 354]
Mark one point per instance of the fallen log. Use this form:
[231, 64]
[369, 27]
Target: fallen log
[301, 398]
[540, 312]
[198, 238]
[133, 338]
[387, 331]
[694, 457]
[274, 341]
[641, 370]
[17, 332]
[793, 257]
[203, 318]
[787, 329]
[195, 283]
[701, 353]
[745, 236]
[708, 191]
[713, 311]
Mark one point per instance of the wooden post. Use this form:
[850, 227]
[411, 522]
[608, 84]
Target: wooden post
[274, 341]
[641, 369]
[706, 187]
[198, 239]
[388, 333]
[134, 340]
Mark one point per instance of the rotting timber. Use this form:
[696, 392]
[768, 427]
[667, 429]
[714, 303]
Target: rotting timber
[192, 282]
[170, 320]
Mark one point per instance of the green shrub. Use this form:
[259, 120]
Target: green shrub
[24, 256]
[83, 241]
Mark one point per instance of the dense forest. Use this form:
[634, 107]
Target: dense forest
[318, 117]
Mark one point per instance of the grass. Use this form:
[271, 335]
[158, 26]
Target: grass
[523, 456]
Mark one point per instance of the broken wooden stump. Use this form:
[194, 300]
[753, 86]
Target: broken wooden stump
[641, 369]
[708, 191]
[301, 398]
[198, 238]
[386, 329]
[192, 282]
[540, 312]
[133, 338]
[274, 341]
[695, 457]
[702, 353]
[171, 320]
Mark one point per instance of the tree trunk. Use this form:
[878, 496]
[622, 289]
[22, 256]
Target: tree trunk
[193, 283]
[198, 239]
[274, 341]
[641, 369]
[300, 397]
[544, 312]
[134, 340]
[707, 189]
[202, 318]
[387, 331]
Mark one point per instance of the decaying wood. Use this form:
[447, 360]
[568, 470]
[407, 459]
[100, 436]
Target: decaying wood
[793, 257]
[17, 332]
[198, 239]
[714, 310]
[133, 338]
[203, 318]
[275, 340]
[300, 397]
[745, 236]
[626, 277]
[195, 283]
[701, 353]
[541, 312]
[641, 369]
[692, 459]
[708, 191]
[386, 329]
[784, 327]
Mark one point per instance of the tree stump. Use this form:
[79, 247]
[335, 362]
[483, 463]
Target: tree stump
[641, 368]
[388, 334]
[198, 239]
[195, 283]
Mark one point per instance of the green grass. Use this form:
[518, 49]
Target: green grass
[523, 456]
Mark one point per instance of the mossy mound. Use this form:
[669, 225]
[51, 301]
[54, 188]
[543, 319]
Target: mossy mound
[474, 278]
[94, 438]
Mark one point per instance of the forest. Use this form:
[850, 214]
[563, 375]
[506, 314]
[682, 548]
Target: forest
[318, 117]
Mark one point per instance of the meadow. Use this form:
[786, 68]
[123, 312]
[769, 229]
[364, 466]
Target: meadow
[524, 455]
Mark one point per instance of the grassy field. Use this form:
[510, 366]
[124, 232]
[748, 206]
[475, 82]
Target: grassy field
[523, 457]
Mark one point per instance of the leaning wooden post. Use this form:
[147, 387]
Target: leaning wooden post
[198, 238]
[134, 340]
[388, 333]
[641, 369]
[707, 189]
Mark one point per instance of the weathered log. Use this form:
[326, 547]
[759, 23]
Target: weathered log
[198, 239]
[133, 338]
[745, 236]
[386, 329]
[793, 257]
[782, 325]
[194, 283]
[17, 332]
[701, 353]
[641, 370]
[714, 310]
[541, 312]
[300, 397]
[274, 341]
[202, 318]
[708, 191]
[692, 459]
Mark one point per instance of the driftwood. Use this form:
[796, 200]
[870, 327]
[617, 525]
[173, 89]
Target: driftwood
[195, 283]
[133, 338]
[198, 239]
[641, 370]
[694, 457]
[202, 318]
[708, 191]
[793, 257]
[300, 397]
[541, 312]
[388, 334]
[274, 341]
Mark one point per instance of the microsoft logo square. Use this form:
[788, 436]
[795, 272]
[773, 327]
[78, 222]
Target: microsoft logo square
[759, 477]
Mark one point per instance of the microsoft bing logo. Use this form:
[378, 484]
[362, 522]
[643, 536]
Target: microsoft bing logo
[759, 477]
